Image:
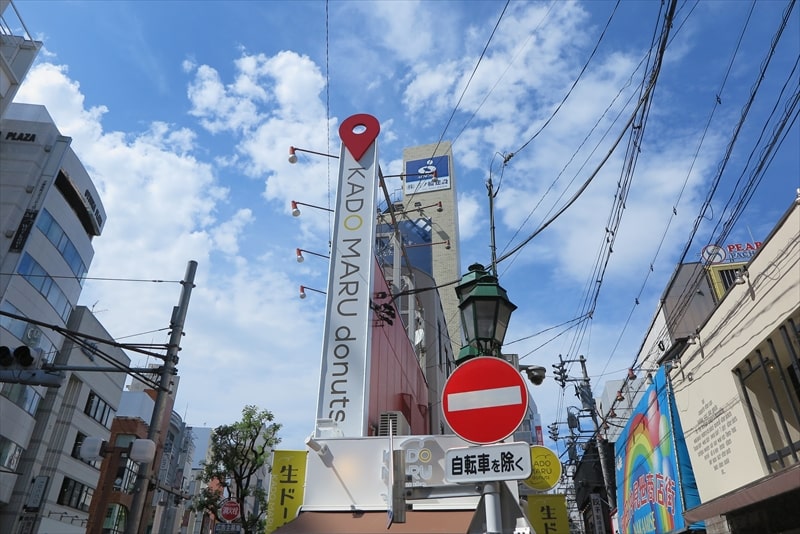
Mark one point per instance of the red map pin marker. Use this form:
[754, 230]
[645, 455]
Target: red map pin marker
[358, 142]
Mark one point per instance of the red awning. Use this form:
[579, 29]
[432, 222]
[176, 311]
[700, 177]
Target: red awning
[417, 521]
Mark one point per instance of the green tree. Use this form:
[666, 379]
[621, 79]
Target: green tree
[238, 455]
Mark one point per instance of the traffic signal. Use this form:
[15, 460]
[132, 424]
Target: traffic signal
[22, 357]
[560, 373]
[21, 366]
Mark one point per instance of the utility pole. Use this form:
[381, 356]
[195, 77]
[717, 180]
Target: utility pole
[601, 450]
[167, 371]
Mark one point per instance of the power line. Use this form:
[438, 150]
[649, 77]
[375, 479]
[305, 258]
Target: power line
[472, 75]
[513, 59]
[73, 277]
[572, 87]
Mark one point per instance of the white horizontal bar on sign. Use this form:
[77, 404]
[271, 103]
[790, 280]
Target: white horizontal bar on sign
[484, 398]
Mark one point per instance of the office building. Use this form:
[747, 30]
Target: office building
[51, 212]
[48, 486]
[430, 180]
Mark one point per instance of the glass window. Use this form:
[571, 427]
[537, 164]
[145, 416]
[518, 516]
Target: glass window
[124, 440]
[99, 410]
[75, 495]
[116, 519]
[126, 475]
[39, 279]
[26, 397]
[56, 235]
[9, 454]
[76, 450]
[769, 378]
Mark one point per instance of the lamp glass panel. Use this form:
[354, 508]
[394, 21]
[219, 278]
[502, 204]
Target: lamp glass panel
[468, 320]
[503, 318]
[485, 318]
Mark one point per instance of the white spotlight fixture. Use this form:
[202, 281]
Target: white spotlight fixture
[296, 209]
[303, 290]
[316, 446]
[292, 155]
[301, 258]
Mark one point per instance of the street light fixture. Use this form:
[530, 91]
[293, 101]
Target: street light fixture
[293, 156]
[485, 312]
[296, 209]
[304, 288]
[301, 258]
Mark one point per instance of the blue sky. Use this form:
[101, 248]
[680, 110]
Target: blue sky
[183, 113]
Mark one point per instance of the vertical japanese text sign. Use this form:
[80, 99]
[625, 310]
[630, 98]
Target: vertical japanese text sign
[285, 488]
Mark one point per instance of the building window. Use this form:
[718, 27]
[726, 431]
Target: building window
[20, 328]
[75, 495]
[125, 480]
[76, 450]
[26, 397]
[770, 379]
[56, 235]
[99, 410]
[9, 454]
[41, 281]
[116, 519]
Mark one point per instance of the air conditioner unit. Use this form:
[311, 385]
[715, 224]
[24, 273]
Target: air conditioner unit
[394, 423]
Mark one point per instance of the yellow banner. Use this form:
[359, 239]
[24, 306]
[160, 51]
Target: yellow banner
[548, 514]
[285, 488]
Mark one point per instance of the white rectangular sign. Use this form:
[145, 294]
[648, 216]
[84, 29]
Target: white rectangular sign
[484, 398]
[227, 528]
[344, 380]
[488, 463]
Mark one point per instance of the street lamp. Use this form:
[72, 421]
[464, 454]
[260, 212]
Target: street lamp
[301, 258]
[296, 210]
[485, 312]
[293, 154]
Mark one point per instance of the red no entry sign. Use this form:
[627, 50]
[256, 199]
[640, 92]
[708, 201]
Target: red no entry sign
[484, 400]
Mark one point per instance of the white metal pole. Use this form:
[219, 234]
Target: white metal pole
[491, 500]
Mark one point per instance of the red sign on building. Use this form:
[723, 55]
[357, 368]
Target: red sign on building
[485, 400]
[229, 510]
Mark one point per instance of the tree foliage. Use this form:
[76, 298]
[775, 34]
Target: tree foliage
[237, 460]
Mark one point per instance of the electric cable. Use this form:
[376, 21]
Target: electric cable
[466, 86]
[572, 87]
[471, 76]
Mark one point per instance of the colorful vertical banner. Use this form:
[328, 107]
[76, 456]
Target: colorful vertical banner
[547, 513]
[655, 483]
[286, 488]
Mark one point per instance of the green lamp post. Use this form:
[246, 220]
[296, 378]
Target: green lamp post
[485, 312]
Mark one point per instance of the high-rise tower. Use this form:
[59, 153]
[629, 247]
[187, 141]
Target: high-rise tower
[430, 178]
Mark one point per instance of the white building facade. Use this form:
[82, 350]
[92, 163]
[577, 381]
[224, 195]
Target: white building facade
[50, 211]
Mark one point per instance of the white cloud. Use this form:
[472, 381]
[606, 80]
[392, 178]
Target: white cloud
[164, 207]
[217, 110]
[226, 235]
[471, 219]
